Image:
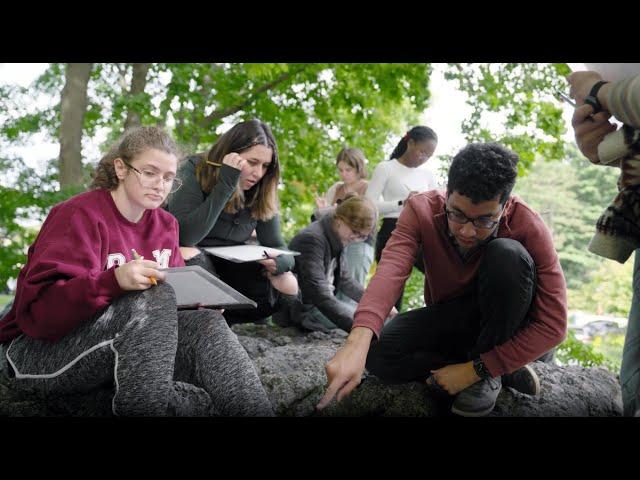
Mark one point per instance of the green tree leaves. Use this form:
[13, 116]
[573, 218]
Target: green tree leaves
[521, 94]
[314, 110]
[29, 198]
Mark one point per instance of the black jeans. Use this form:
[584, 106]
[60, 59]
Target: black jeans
[388, 225]
[495, 308]
[248, 279]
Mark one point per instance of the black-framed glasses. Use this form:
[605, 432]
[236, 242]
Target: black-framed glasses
[478, 222]
[149, 179]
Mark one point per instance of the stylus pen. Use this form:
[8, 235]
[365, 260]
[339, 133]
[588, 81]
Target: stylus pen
[137, 257]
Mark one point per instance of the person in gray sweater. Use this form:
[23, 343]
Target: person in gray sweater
[322, 268]
[227, 193]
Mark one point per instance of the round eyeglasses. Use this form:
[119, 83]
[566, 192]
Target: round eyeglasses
[149, 179]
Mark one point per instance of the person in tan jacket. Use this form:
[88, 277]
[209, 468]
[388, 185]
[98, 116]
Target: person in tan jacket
[618, 228]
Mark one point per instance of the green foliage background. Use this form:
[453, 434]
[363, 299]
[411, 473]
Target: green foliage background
[314, 110]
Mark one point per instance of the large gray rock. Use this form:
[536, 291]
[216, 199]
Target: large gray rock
[291, 366]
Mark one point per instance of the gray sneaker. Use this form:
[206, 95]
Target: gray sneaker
[525, 380]
[479, 399]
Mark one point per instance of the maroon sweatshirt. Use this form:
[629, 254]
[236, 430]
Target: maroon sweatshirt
[447, 275]
[69, 276]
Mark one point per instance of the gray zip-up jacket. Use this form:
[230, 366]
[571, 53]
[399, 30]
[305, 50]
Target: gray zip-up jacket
[318, 245]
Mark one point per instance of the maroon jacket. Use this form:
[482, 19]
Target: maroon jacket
[423, 220]
[69, 276]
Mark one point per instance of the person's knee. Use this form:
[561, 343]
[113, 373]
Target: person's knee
[378, 365]
[150, 313]
[286, 283]
[506, 257]
[202, 259]
[163, 293]
[190, 252]
[160, 297]
[505, 249]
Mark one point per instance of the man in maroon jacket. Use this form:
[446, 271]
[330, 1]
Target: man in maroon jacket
[494, 291]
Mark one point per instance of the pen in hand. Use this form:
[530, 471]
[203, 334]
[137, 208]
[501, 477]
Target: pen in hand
[566, 98]
[271, 268]
[138, 257]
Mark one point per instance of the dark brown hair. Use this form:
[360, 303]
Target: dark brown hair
[262, 198]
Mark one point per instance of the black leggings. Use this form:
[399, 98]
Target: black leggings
[388, 225]
[495, 308]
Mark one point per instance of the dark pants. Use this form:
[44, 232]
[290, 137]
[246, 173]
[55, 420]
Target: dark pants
[413, 343]
[388, 224]
[248, 279]
[630, 371]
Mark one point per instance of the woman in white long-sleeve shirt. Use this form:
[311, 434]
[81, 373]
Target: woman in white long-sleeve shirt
[394, 181]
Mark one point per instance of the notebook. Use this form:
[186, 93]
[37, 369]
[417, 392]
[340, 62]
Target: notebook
[247, 253]
[195, 286]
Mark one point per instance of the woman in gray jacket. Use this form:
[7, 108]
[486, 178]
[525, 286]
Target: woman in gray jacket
[322, 268]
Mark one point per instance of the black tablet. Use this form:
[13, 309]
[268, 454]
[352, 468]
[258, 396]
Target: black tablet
[194, 287]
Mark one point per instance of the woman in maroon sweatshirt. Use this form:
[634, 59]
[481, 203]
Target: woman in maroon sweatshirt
[88, 311]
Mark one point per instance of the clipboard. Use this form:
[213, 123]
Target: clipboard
[247, 253]
[195, 286]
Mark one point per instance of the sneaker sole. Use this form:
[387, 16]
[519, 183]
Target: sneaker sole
[482, 413]
[536, 379]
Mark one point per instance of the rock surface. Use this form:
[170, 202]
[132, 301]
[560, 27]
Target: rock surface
[291, 366]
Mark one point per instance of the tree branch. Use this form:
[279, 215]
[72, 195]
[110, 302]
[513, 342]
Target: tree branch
[219, 114]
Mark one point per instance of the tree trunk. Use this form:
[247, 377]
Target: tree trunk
[73, 106]
[138, 82]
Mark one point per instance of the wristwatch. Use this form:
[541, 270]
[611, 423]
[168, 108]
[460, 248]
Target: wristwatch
[592, 98]
[481, 369]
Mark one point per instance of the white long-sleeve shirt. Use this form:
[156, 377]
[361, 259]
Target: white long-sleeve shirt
[392, 181]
